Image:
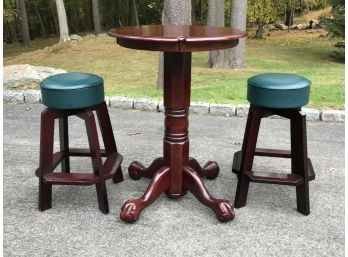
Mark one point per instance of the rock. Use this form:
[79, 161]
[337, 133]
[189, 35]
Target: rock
[75, 37]
[32, 96]
[313, 24]
[223, 109]
[281, 26]
[199, 108]
[302, 26]
[161, 106]
[293, 26]
[242, 110]
[12, 96]
[311, 114]
[333, 115]
[25, 76]
[269, 27]
[121, 102]
[146, 104]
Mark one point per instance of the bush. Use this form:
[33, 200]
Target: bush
[335, 26]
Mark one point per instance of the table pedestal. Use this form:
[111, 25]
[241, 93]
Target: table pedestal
[175, 172]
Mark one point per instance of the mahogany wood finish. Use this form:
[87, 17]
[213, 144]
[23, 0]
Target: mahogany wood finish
[176, 172]
[301, 165]
[111, 168]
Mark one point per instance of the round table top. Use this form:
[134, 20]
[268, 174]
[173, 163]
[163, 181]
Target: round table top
[176, 38]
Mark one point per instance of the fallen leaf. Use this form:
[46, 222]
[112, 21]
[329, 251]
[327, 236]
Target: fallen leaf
[133, 133]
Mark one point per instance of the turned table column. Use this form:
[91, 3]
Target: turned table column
[177, 86]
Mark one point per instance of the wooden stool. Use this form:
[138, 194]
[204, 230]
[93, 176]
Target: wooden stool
[76, 94]
[283, 95]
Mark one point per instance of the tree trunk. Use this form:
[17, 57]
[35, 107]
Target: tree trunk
[176, 12]
[289, 16]
[40, 20]
[96, 19]
[6, 26]
[238, 21]
[259, 30]
[22, 14]
[87, 7]
[133, 14]
[109, 8]
[216, 17]
[63, 23]
[54, 20]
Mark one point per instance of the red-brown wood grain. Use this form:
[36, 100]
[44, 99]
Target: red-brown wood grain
[176, 173]
[176, 38]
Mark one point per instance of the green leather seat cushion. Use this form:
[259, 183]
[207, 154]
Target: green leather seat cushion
[278, 90]
[72, 90]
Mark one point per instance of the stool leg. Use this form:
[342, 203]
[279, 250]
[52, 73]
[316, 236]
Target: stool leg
[96, 160]
[64, 143]
[108, 137]
[46, 155]
[299, 160]
[248, 151]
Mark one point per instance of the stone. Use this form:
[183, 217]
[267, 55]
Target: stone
[333, 115]
[269, 27]
[302, 26]
[146, 104]
[311, 114]
[242, 110]
[293, 26]
[107, 100]
[313, 24]
[32, 96]
[13, 96]
[199, 108]
[75, 37]
[25, 76]
[161, 106]
[223, 110]
[281, 26]
[121, 102]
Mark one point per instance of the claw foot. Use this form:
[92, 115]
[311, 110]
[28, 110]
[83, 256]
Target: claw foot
[135, 170]
[211, 169]
[224, 211]
[131, 210]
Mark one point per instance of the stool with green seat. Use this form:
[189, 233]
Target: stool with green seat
[76, 94]
[284, 95]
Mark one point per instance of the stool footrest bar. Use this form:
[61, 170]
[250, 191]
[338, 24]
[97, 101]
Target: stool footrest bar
[274, 178]
[273, 153]
[84, 152]
[85, 179]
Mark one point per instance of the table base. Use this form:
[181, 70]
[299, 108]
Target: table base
[159, 171]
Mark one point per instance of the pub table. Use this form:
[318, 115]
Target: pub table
[176, 173]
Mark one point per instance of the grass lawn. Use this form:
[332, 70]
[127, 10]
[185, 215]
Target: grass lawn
[134, 73]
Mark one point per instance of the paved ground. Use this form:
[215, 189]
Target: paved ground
[268, 226]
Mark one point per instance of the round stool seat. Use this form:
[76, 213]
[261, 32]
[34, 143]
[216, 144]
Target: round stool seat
[278, 90]
[72, 90]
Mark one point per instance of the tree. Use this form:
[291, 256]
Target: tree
[96, 19]
[216, 17]
[22, 14]
[133, 19]
[336, 28]
[112, 13]
[176, 12]
[238, 21]
[261, 12]
[199, 11]
[63, 22]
